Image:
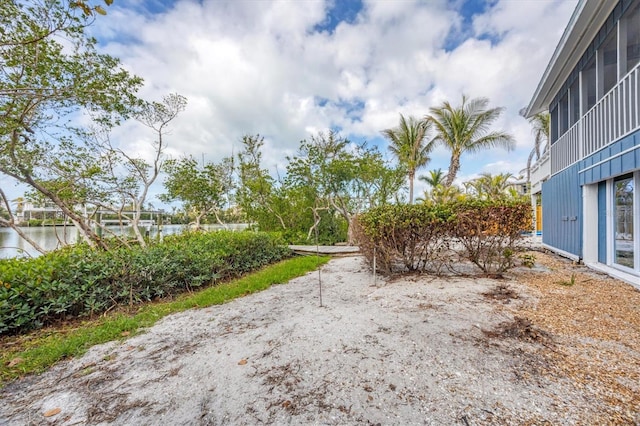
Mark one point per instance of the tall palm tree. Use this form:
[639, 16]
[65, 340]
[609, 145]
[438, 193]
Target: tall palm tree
[540, 125]
[466, 128]
[407, 143]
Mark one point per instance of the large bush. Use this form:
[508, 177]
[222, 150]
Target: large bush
[447, 236]
[414, 237]
[79, 281]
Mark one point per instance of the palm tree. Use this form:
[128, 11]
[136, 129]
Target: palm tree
[407, 144]
[540, 124]
[466, 129]
[489, 186]
[434, 178]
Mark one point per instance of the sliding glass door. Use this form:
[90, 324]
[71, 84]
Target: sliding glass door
[624, 235]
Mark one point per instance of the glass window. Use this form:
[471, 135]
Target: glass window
[563, 117]
[632, 17]
[553, 116]
[623, 243]
[574, 95]
[589, 84]
[610, 62]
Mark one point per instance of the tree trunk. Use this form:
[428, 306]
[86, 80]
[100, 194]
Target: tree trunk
[135, 225]
[197, 223]
[454, 166]
[11, 224]
[88, 234]
[529, 160]
[220, 222]
[412, 175]
[350, 238]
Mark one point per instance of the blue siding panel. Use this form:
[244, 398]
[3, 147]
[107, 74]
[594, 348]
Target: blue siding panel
[588, 161]
[615, 148]
[628, 161]
[562, 211]
[602, 222]
[614, 166]
[596, 174]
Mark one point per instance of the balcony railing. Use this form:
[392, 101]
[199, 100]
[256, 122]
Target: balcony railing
[540, 172]
[566, 149]
[616, 115]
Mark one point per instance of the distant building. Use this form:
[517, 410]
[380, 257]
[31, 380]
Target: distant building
[591, 88]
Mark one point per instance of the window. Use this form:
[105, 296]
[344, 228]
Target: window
[563, 115]
[553, 116]
[589, 94]
[632, 21]
[610, 62]
[623, 232]
[574, 95]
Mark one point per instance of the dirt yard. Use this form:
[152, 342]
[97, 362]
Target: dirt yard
[555, 344]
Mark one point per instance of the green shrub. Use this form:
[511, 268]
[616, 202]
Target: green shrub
[412, 236]
[436, 237]
[79, 281]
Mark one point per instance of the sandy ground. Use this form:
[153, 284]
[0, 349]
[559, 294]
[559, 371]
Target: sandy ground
[411, 350]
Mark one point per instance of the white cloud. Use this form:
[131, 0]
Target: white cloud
[251, 67]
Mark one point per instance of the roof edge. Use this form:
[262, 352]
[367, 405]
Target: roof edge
[586, 20]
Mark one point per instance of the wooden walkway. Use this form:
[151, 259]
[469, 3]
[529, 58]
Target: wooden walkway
[330, 250]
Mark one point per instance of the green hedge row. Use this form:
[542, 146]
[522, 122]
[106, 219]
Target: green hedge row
[445, 237]
[78, 281]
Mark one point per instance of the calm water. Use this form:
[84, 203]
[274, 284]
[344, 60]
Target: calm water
[50, 237]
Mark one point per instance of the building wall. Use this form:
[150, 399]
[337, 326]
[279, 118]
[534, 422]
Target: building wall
[620, 157]
[562, 212]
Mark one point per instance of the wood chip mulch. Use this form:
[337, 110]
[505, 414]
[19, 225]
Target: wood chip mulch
[594, 322]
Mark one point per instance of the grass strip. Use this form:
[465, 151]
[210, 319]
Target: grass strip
[41, 350]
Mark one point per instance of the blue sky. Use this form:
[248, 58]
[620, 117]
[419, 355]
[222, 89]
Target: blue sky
[288, 69]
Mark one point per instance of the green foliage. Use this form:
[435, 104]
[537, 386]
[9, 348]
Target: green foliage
[406, 143]
[488, 186]
[434, 237]
[569, 283]
[202, 190]
[41, 351]
[409, 236]
[52, 74]
[540, 125]
[528, 260]
[329, 179]
[80, 281]
[466, 128]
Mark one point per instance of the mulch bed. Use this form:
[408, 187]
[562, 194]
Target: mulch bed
[595, 322]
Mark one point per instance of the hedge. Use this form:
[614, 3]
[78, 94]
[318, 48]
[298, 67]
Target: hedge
[445, 237]
[78, 281]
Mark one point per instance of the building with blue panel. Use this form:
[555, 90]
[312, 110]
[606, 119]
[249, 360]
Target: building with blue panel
[591, 88]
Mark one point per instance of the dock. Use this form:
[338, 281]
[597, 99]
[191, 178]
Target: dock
[326, 250]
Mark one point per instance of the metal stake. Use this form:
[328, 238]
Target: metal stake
[317, 220]
[374, 267]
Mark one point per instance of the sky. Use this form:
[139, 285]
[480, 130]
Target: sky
[289, 69]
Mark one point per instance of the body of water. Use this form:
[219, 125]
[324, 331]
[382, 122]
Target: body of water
[52, 237]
